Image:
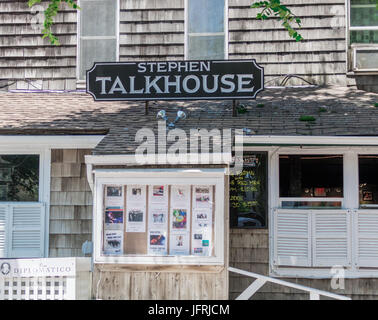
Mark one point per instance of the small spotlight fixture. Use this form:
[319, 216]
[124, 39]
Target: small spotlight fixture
[181, 115]
[161, 114]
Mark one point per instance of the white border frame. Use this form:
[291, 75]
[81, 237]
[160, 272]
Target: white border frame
[186, 33]
[166, 176]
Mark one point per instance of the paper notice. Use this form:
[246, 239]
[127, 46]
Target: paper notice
[113, 242]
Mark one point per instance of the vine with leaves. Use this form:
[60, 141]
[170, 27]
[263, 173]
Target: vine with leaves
[50, 13]
[274, 8]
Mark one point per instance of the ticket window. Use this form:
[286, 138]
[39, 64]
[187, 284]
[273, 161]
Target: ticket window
[167, 220]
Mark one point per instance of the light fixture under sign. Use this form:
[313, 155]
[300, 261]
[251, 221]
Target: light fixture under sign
[181, 115]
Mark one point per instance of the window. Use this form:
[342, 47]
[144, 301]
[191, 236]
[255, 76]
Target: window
[363, 21]
[311, 180]
[147, 219]
[363, 34]
[311, 226]
[98, 33]
[205, 39]
[22, 215]
[368, 180]
[325, 212]
[248, 193]
[19, 177]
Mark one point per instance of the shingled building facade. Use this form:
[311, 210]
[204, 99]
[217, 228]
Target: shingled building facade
[310, 147]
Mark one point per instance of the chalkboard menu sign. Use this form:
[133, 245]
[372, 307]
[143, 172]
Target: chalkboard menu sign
[248, 193]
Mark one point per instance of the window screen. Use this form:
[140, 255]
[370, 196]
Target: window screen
[363, 14]
[206, 35]
[98, 33]
[248, 193]
[368, 179]
[158, 220]
[311, 176]
[19, 177]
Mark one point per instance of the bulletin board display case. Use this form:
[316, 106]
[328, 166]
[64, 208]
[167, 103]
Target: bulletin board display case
[159, 220]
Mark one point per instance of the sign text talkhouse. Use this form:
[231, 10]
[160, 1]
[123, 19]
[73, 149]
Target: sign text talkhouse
[175, 80]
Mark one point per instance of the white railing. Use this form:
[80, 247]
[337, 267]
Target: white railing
[45, 279]
[261, 280]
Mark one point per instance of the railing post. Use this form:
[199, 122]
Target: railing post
[251, 290]
[314, 296]
[71, 288]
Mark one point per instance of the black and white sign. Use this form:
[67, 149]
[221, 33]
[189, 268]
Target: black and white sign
[37, 267]
[175, 80]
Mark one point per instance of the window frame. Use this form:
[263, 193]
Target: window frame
[351, 48]
[43, 190]
[166, 176]
[79, 37]
[186, 30]
[266, 154]
[42, 146]
[312, 199]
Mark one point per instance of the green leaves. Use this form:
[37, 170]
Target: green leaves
[51, 11]
[274, 8]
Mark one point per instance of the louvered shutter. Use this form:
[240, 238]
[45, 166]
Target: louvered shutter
[27, 230]
[331, 240]
[3, 220]
[292, 244]
[367, 238]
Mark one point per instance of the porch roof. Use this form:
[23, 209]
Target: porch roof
[338, 111]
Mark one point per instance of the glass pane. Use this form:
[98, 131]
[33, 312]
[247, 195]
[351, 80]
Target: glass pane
[311, 176]
[206, 48]
[19, 177]
[311, 204]
[363, 13]
[366, 36]
[368, 179]
[367, 59]
[96, 51]
[248, 193]
[98, 18]
[206, 16]
[159, 220]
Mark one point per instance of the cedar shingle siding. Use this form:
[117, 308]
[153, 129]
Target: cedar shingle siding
[70, 203]
[154, 30]
[28, 58]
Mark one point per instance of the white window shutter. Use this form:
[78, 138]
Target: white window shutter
[3, 223]
[27, 223]
[292, 244]
[367, 238]
[331, 238]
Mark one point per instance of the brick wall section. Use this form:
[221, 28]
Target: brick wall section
[70, 203]
[249, 250]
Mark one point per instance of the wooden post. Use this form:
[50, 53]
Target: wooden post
[146, 108]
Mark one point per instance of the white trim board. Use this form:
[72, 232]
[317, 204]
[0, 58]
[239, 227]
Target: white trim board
[189, 158]
[30, 142]
[312, 140]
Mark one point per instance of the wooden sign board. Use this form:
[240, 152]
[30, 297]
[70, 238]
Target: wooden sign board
[175, 80]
